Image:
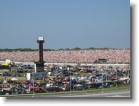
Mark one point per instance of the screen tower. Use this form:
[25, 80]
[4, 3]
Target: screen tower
[40, 63]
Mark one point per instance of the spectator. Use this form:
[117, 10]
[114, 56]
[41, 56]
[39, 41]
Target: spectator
[63, 56]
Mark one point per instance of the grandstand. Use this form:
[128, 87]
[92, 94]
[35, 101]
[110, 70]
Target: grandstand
[116, 56]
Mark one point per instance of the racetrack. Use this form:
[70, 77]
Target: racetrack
[102, 94]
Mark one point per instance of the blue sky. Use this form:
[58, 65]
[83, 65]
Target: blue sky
[65, 23]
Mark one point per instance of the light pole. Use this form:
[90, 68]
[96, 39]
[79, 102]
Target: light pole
[102, 83]
[33, 85]
[70, 83]
[70, 79]
[116, 78]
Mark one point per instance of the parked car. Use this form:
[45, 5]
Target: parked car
[36, 89]
[54, 89]
[104, 84]
[4, 92]
[66, 72]
[6, 74]
[78, 87]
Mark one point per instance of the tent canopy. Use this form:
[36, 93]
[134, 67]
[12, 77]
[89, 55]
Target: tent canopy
[14, 79]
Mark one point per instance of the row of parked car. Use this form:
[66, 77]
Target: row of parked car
[56, 79]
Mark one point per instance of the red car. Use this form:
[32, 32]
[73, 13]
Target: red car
[36, 89]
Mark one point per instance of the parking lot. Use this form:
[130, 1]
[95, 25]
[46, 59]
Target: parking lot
[22, 79]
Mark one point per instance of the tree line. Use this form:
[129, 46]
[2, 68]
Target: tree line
[68, 49]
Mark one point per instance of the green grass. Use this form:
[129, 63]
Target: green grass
[85, 91]
[2, 78]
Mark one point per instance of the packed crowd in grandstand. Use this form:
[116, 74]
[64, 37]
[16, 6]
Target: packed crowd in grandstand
[73, 56]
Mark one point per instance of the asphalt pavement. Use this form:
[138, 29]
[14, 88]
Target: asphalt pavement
[102, 94]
